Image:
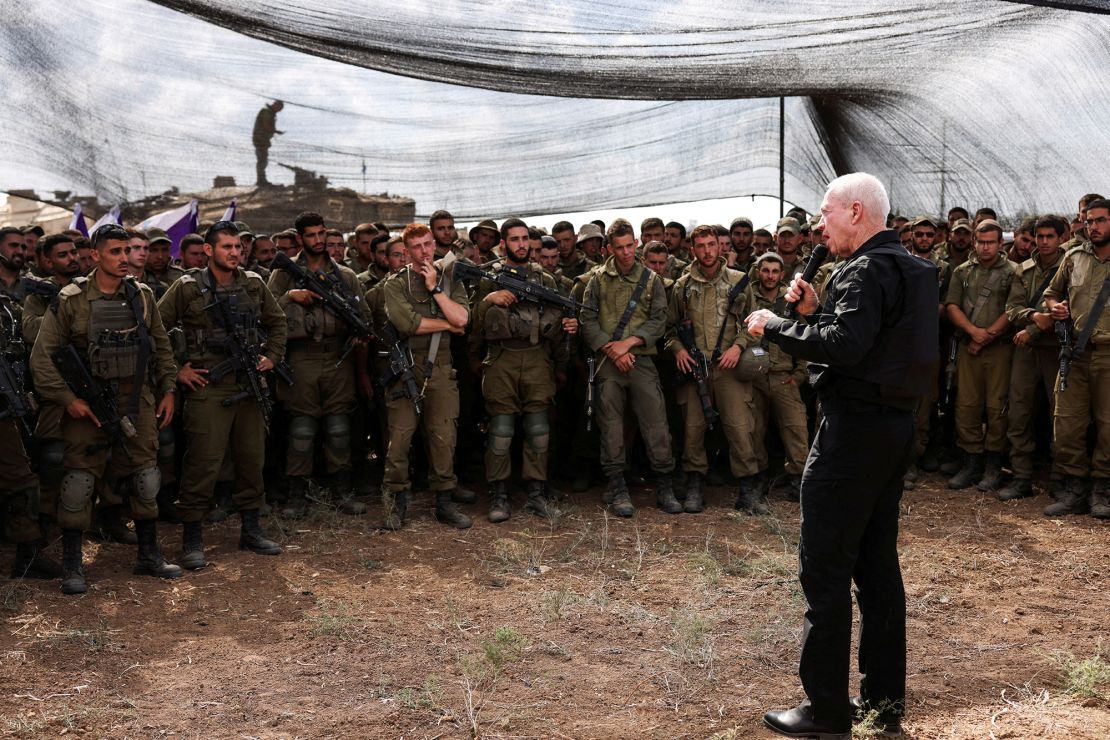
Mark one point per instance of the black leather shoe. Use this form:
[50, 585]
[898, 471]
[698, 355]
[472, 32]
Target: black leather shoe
[888, 724]
[798, 722]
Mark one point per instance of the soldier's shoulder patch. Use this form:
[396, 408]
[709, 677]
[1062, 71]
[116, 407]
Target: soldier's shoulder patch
[252, 275]
[1081, 247]
[76, 287]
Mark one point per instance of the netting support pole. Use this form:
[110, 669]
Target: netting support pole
[782, 157]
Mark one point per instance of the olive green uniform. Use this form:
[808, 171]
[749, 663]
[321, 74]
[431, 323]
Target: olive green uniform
[213, 425]
[982, 380]
[521, 344]
[407, 301]
[160, 283]
[48, 428]
[705, 301]
[315, 341]
[610, 293]
[87, 318]
[1079, 281]
[777, 395]
[1034, 364]
[576, 266]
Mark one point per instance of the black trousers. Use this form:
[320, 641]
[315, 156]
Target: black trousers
[851, 489]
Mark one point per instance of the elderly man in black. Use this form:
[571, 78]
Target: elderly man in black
[872, 350]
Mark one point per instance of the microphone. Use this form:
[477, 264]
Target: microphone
[816, 259]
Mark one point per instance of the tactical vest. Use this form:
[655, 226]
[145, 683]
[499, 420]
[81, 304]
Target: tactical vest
[316, 322]
[113, 339]
[904, 358]
[524, 323]
[244, 316]
[706, 303]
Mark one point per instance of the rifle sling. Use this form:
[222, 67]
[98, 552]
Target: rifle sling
[433, 343]
[981, 299]
[1092, 318]
[1038, 294]
[634, 301]
[732, 293]
[135, 299]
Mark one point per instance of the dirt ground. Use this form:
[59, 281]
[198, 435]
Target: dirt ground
[590, 627]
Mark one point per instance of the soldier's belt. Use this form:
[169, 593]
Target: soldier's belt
[328, 346]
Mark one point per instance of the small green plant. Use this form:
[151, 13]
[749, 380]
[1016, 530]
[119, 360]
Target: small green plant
[335, 619]
[96, 638]
[707, 566]
[1083, 677]
[505, 646]
[426, 697]
[692, 640]
[13, 595]
[554, 602]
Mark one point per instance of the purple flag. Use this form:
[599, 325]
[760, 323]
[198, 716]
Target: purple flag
[229, 214]
[78, 221]
[176, 223]
[111, 217]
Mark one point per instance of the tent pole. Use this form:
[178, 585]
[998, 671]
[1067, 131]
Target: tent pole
[782, 156]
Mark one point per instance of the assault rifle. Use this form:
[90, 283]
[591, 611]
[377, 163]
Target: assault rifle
[18, 403]
[950, 369]
[591, 378]
[101, 398]
[334, 296]
[700, 372]
[1067, 351]
[400, 364]
[242, 359]
[48, 289]
[525, 290]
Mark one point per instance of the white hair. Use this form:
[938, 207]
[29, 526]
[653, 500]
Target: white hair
[867, 190]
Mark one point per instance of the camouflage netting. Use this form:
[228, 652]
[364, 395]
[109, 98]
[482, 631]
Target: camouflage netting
[566, 106]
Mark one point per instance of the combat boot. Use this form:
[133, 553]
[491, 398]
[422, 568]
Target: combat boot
[1056, 487]
[929, 460]
[1071, 500]
[252, 537]
[31, 562]
[462, 495]
[499, 507]
[73, 570]
[192, 546]
[695, 494]
[664, 494]
[538, 503]
[1099, 500]
[794, 487]
[1015, 489]
[395, 506]
[447, 513]
[296, 506]
[909, 480]
[150, 561]
[222, 505]
[992, 473]
[616, 495]
[344, 494]
[110, 526]
[750, 497]
[970, 473]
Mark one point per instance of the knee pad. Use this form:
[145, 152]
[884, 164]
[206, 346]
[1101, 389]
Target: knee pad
[166, 439]
[337, 431]
[501, 433]
[76, 490]
[302, 430]
[146, 484]
[537, 432]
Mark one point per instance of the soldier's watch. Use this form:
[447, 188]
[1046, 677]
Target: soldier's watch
[436, 290]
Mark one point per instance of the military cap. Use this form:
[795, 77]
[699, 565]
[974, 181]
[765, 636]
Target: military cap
[988, 223]
[489, 225]
[548, 242]
[961, 223]
[157, 235]
[244, 230]
[589, 231]
[33, 229]
[740, 221]
[788, 223]
[769, 257]
[920, 220]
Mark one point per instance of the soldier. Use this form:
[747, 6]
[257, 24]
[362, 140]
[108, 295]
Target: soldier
[336, 246]
[976, 306]
[1037, 349]
[324, 392]
[218, 417]
[287, 242]
[548, 259]
[265, 126]
[1079, 292]
[379, 267]
[957, 213]
[777, 394]
[715, 299]
[193, 256]
[12, 260]
[486, 237]
[958, 248]
[112, 322]
[442, 224]
[572, 263]
[1020, 249]
[590, 241]
[631, 317]
[137, 254]
[523, 347]
[264, 252]
[762, 242]
[360, 257]
[675, 238]
[60, 252]
[160, 274]
[740, 233]
[422, 303]
[788, 241]
[20, 508]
